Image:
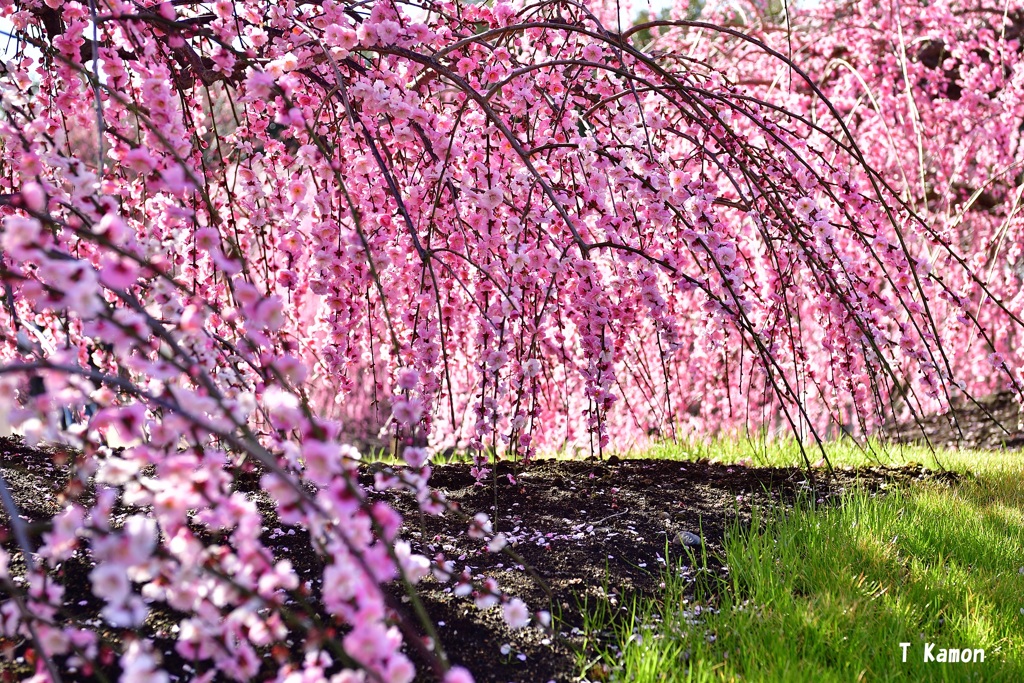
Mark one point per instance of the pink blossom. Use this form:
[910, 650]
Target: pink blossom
[34, 196]
[593, 53]
[118, 273]
[491, 198]
[408, 378]
[175, 181]
[480, 527]
[416, 457]
[516, 614]
[284, 407]
[20, 235]
[340, 36]
[139, 160]
[805, 206]
[322, 459]
[63, 540]
[110, 582]
[296, 191]
[485, 599]
[139, 665]
[282, 65]
[458, 674]
[131, 613]
[269, 314]
[407, 411]
[497, 543]
[113, 227]
[414, 567]
[388, 32]
[259, 84]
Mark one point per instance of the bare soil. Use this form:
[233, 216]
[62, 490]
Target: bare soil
[990, 423]
[592, 531]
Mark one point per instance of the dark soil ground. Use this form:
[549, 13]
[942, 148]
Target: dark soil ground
[598, 531]
[992, 422]
[592, 531]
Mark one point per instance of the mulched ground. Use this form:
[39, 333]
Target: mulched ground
[592, 530]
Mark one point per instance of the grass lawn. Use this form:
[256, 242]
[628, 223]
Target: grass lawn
[829, 594]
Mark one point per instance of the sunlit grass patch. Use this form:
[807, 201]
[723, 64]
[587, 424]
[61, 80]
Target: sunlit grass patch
[783, 452]
[829, 594]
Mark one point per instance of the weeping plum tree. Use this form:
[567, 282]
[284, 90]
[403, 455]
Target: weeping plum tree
[232, 229]
[932, 96]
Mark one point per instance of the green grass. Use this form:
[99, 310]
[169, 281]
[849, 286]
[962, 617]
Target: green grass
[846, 453]
[828, 594]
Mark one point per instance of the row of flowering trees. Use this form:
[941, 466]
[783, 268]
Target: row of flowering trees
[232, 229]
